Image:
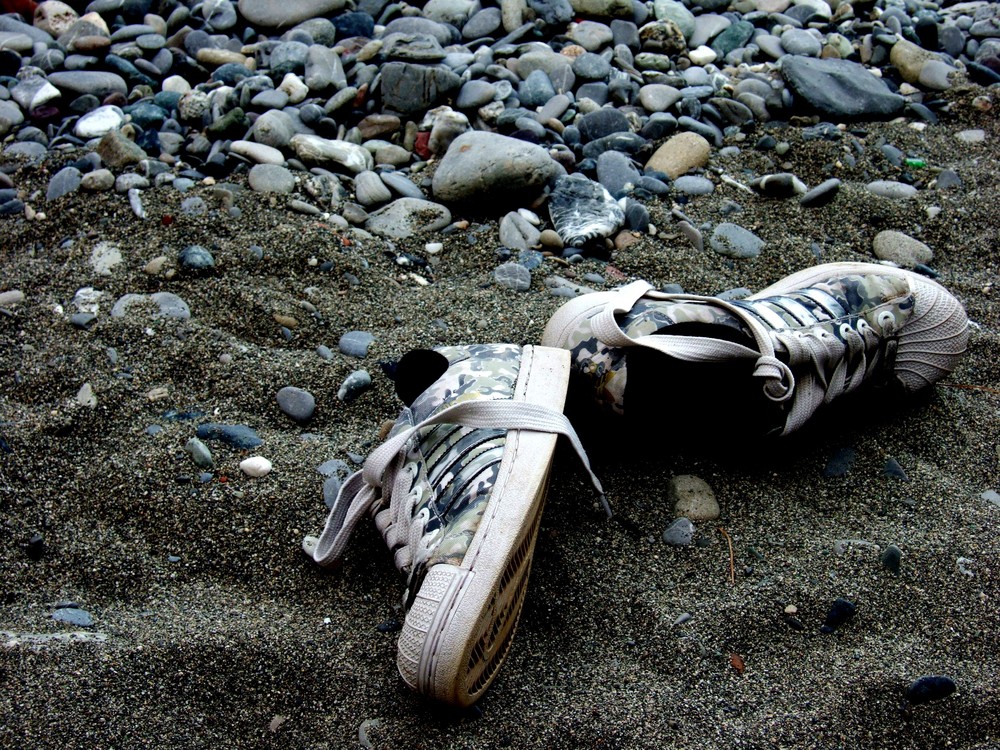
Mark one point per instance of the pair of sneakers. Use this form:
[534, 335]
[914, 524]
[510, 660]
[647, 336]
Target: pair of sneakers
[457, 489]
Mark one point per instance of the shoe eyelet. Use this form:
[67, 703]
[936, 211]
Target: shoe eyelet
[886, 320]
[845, 330]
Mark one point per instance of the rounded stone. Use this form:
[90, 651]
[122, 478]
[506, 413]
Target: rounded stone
[255, 466]
[513, 276]
[682, 153]
[297, 403]
[734, 241]
[901, 249]
[271, 178]
[693, 498]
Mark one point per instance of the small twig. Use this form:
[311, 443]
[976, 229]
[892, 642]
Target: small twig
[971, 387]
[732, 556]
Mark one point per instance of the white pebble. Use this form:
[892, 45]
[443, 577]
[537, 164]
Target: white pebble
[255, 466]
[433, 248]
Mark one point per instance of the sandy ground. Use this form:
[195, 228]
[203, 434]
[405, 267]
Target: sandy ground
[211, 628]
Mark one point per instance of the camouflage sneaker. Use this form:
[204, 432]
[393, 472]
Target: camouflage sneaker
[457, 492]
[810, 338]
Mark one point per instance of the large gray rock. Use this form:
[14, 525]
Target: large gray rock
[839, 88]
[287, 12]
[408, 88]
[482, 165]
[98, 83]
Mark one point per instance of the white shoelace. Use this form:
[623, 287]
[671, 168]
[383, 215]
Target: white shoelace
[364, 490]
[814, 346]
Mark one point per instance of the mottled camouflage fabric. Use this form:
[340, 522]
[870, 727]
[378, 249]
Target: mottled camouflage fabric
[824, 305]
[451, 468]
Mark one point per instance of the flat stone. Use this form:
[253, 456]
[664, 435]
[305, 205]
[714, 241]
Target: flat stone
[513, 276]
[901, 249]
[839, 88]
[680, 533]
[734, 241]
[405, 217]
[693, 498]
[287, 12]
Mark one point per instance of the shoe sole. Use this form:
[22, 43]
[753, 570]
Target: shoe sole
[458, 630]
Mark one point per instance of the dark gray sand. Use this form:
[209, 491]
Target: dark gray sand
[210, 628]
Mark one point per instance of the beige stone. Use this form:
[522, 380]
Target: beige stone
[693, 498]
[682, 153]
[54, 17]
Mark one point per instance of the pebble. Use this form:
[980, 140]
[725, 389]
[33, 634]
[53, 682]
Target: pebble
[81, 618]
[892, 558]
[680, 154]
[693, 498]
[196, 258]
[488, 166]
[929, 688]
[971, 136]
[255, 466]
[840, 463]
[238, 436]
[840, 612]
[734, 241]
[354, 385]
[680, 533]
[271, 178]
[901, 249]
[355, 343]
[200, 453]
[513, 276]
[822, 194]
[991, 496]
[67, 180]
[406, 217]
[783, 185]
[891, 189]
[297, 403]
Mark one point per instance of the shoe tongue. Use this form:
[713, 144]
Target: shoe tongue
[417, 371]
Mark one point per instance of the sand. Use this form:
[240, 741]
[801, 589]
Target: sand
[210, 628]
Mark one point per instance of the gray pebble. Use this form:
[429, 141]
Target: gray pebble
[840, 463]
[297, 403]
[196, 258]
[680, 533]
[694, 185]
[238, 436]
[734, 241]
[891, 558]
[822, 194]
[65, 181]
[271, 178]
[355, 343]
[200, 453]
[73, 616]
[354, 385]
[513, 276]
[901, 249]
[891, 189]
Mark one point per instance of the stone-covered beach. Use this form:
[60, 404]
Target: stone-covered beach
[220, 223]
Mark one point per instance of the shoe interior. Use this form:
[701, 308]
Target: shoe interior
[417, 371]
